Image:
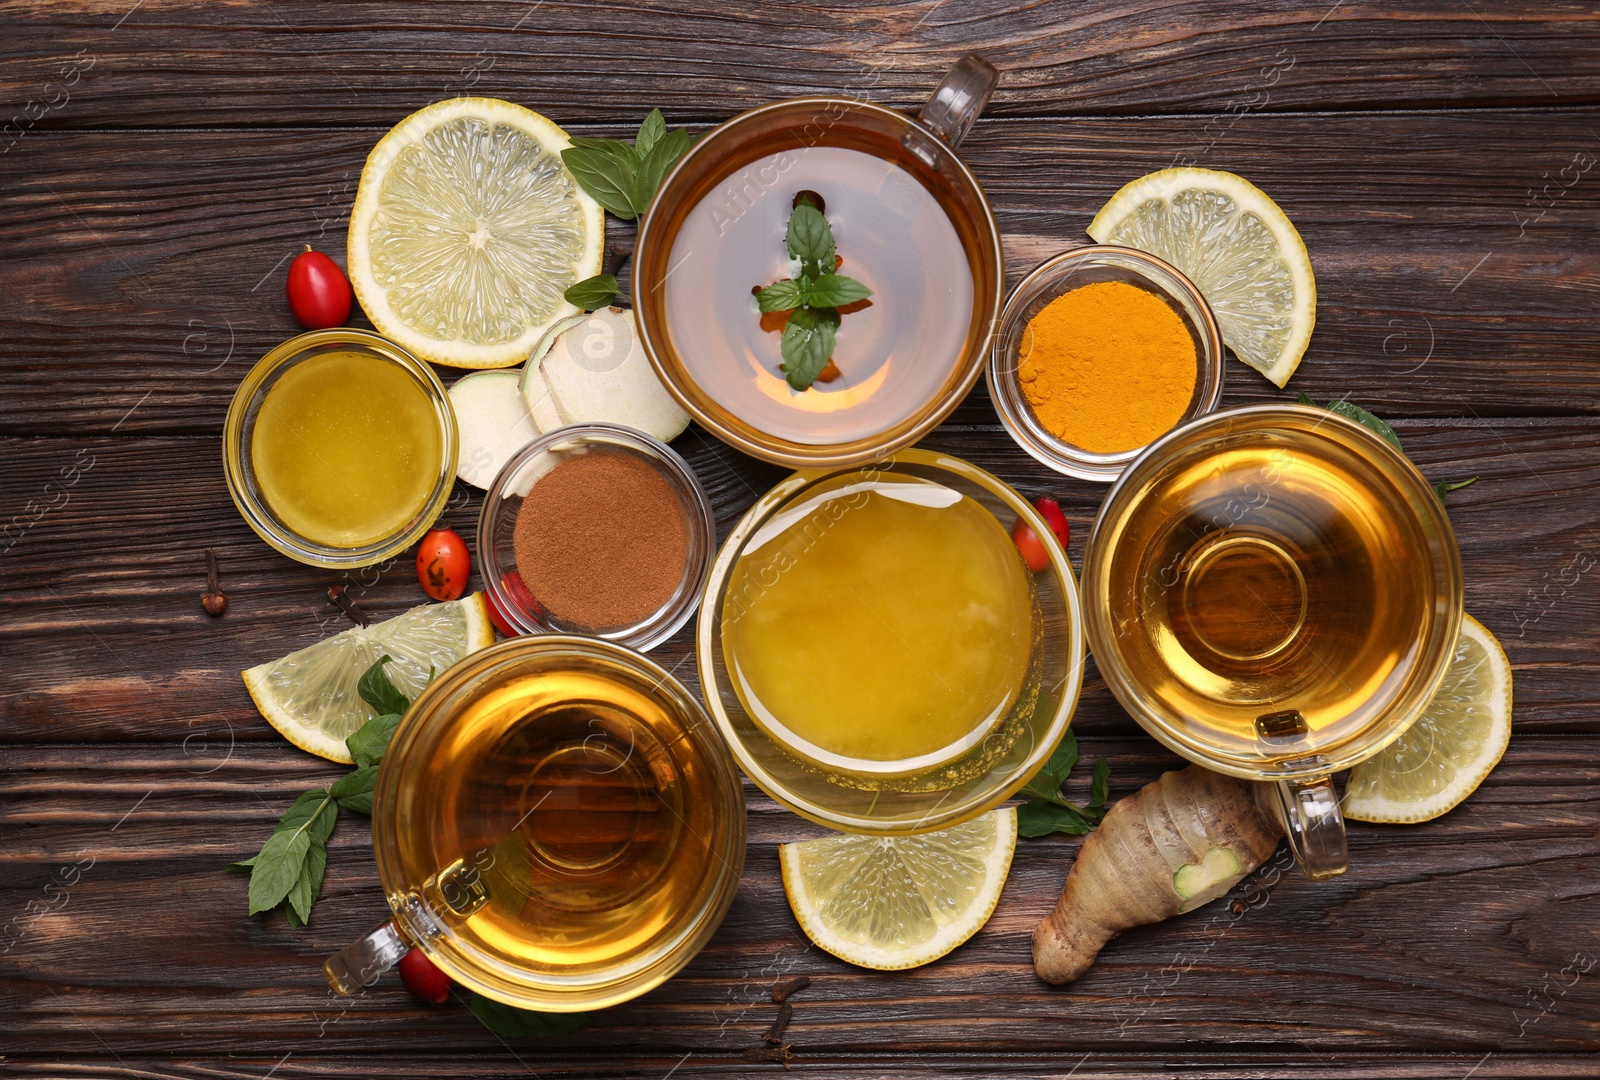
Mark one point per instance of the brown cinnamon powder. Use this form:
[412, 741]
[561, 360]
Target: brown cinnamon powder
[602, 540]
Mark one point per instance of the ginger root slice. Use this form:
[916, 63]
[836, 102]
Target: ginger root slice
[1178, 843]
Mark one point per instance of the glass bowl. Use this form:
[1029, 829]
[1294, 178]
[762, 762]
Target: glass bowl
[497, 523]
[238, 460]
[984, 775]
[1059, 275]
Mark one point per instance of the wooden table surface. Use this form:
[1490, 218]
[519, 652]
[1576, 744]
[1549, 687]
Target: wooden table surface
[162, 159]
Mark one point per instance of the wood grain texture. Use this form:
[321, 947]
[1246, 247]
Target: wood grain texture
[151, 267]
[276, 63]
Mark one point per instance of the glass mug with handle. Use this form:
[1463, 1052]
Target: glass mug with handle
[556, 824]
[1274, 592]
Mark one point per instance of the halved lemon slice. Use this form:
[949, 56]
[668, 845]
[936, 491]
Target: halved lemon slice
[466, 230]
[1239, 249]
[1447, 752]
[895, 902]
[310, 696]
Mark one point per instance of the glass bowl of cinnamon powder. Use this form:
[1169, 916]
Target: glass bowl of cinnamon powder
[1100, 351]
[596, 529]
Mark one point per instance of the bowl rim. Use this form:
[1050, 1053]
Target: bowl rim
[1015, 414]
[706, 643]
[260, 517]
[642, 636]
[796, 455]
[1416, 697]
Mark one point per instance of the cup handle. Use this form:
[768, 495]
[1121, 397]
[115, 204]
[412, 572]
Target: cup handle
[1309, 810]
[359, 964]
[959, 98]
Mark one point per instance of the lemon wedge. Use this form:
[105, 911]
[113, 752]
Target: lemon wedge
[1241, 251]
[466, 231]
[310, 696]
[1447, 752]
[895, 902]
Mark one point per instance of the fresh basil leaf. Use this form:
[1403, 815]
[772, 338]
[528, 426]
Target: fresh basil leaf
[354, 789]
[368, 742]
[835, 290]
[657, 163]
[511, 1021]
[1445, 487]
[808, 342]
[277, 868]
[592, 294]
[376, 690]
[1035, 818]
[780, 296]
[650, 132]
[810, 238]
[1100, 786]
[606, 174]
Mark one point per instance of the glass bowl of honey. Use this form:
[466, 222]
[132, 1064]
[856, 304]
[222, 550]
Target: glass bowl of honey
[1169, 296]
[877, 653]
[340, 448]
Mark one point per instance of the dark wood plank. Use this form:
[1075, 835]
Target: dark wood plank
[149, 947]
[272, 64]
[118, 565]
[143, 272]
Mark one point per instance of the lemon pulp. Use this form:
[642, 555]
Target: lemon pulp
[880, 621]
[346, 448]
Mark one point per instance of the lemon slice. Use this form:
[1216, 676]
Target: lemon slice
[1239, 249]
[1446, 753]
[895, 902]
[466, 230]
[310, 696]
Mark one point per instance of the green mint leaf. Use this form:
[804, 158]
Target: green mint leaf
[606, 169]
[592, 294]
[1035, 818]
[834, 290]
[277, 868]
[808, 342]
[1046, 783]
[1305, 399]
[651, 132]
[354, 789]
[1100, 787]
[511, 1021]
[655, 165]
[780, 296]
[307, 887]
[810, 238]
[376, 690]
[309, 811]
[368, 742]
[1445, 487]
[295, 921]
[239, 867]
[1351, 411]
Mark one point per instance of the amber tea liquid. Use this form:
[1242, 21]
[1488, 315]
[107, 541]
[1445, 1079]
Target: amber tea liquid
[1266, 599]
[561, 827]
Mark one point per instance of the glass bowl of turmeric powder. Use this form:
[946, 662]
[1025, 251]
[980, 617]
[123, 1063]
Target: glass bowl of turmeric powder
[1101, 351]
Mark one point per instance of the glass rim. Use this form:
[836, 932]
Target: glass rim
[239, 469]
[1426, 675]
[661, 624]
[746, 437]
[1017, 416]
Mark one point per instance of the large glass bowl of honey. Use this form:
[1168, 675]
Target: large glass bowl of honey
[877, 653]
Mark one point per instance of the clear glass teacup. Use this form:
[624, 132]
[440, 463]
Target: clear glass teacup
[1274, 592]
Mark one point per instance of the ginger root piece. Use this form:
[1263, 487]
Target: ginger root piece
[1179, 843]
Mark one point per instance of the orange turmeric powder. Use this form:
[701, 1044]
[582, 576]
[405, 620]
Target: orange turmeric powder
[1108, 367]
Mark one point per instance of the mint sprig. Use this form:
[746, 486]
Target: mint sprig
[1048, 811]
[289, 868]
[814, 298]
[622, 176]
[1352, 411]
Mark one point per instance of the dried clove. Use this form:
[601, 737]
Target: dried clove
[782, 990]
[774, 1034]
[348, 606]
[212, 599]
[777, 1055]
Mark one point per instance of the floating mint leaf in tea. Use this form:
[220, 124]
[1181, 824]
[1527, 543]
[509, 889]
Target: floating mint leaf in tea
[814, 298]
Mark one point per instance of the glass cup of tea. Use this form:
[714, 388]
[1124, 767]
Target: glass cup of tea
[909, 220]
[557, 825]
[1274, 592]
